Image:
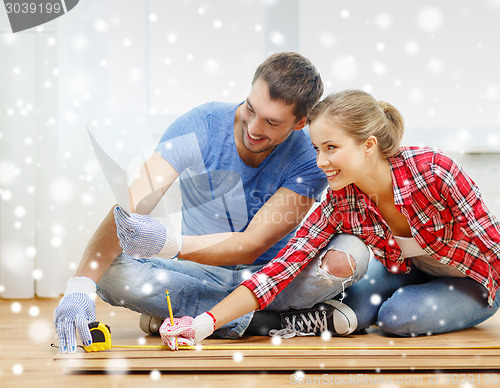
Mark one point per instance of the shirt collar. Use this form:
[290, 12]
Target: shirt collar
[401, 183]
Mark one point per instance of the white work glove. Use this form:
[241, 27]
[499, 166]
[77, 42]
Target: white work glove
[145, 236]
[76, 308]
[188, 331]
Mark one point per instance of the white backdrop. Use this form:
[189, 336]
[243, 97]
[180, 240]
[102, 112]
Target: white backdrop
[127, 69]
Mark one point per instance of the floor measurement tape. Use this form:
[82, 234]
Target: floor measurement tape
[101, 340]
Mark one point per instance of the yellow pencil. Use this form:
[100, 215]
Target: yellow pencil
[171, 314]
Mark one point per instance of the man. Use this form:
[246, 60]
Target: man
[248, 177]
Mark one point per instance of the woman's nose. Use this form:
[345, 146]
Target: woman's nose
[321, 160]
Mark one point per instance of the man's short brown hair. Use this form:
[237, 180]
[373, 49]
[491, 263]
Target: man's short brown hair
[293, 79]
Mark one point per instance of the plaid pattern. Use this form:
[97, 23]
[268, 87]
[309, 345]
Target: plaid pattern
[447, 217]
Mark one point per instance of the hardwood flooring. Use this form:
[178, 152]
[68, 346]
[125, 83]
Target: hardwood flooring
[466, 358]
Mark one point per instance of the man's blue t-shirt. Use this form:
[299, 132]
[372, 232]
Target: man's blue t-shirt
[219, 192]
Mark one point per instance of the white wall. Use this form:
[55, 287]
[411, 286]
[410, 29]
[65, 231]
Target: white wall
[128, 68]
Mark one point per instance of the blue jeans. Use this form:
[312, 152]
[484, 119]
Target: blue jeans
[417, 303]
[140, 284]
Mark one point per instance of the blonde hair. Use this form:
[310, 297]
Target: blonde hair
[362, 116]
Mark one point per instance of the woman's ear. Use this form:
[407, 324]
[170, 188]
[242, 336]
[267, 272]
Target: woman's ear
[371, 145]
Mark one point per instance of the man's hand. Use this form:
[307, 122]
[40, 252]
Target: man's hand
[76, 308]
[144, 236]
[188, 331]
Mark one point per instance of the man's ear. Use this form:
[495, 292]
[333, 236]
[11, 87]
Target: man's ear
[301, 124]
[371, 145]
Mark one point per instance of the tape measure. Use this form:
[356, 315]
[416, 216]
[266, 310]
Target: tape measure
[101, 340]
[101, 337]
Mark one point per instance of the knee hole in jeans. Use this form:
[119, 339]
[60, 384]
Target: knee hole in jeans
[338, 264]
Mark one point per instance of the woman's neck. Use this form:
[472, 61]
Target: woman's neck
[376, 183]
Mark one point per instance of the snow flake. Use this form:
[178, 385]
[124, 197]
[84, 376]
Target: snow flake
[379, 68]
[327, 40]
[262, 278]
[147, 289]
[114, 365]
[61, 190]
[411, 47]
[492, 92]
[135, 75]
[344, 68]
[101, 25]
[416, 96]
[17, 369]
[8, 172]
[79, 42]
[20, 211]
[37, 274]
[344, 14]
[16, 307]
[34, 311]
[155, 375]
[6, 195]
[30, 252]
[212, 67]
[435, 65]
[9, 39]
[172, 38]
[375, 299]
[383, 20]
[430, 19]
[277, 38]
[326, 335]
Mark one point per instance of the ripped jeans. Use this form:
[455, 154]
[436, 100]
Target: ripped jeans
[140, 284]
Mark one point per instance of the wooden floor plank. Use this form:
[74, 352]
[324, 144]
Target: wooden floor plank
[26, 358]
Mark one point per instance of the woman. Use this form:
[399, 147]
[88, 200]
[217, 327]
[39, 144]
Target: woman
[436, 245]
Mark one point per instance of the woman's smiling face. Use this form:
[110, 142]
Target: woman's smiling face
[340, 157]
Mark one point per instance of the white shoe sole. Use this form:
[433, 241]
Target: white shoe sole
[344, 318]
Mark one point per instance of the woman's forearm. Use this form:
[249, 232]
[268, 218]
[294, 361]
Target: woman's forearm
[240, 302]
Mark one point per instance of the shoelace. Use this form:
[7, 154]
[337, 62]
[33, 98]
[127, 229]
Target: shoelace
[305, 326]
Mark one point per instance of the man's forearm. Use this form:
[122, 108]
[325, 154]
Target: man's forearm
[101, 250]
[221, 249]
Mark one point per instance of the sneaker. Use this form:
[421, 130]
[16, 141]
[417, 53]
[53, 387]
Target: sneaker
[150, 325]
[332, 316]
